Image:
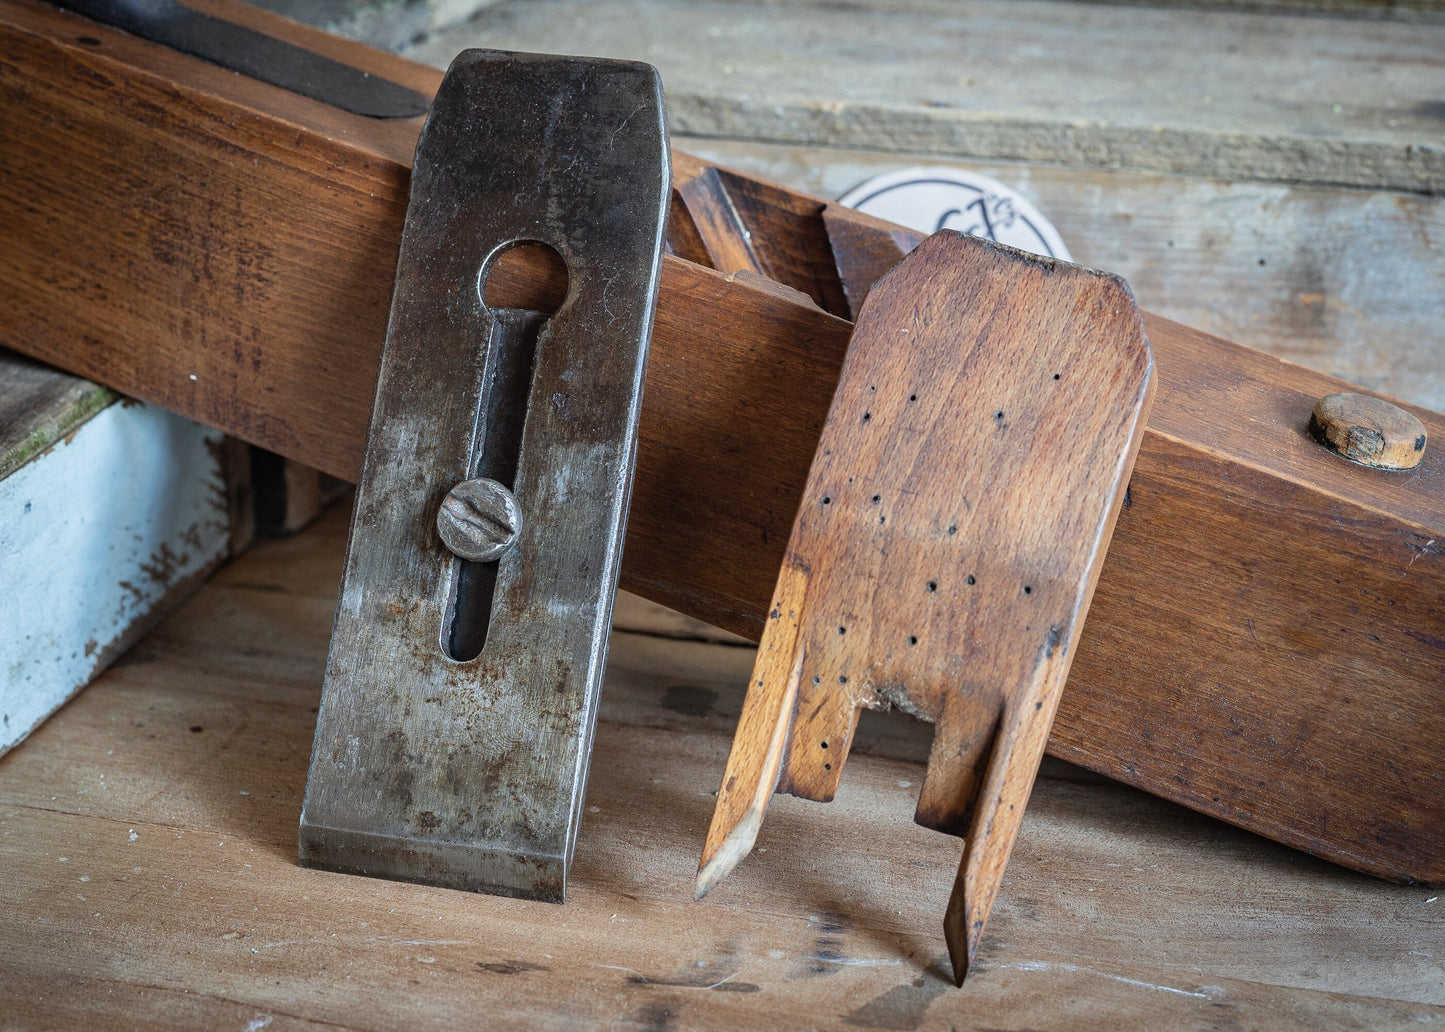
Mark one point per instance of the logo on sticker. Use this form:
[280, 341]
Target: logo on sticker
[930, 199]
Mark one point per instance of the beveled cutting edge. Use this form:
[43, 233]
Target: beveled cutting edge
[256, 54]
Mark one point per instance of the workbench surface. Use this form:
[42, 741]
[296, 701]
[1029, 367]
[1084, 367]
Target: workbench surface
[148, 844]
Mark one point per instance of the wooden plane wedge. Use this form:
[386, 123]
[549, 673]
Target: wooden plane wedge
[954, 522]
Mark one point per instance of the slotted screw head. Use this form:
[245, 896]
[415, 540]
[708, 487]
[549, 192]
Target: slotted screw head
[479, 520]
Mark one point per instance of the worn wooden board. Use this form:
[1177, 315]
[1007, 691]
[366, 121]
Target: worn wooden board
[148, 833]
[1401, 10]
[39, 406]
[392, 25]
[1228, 94]
[253, 249]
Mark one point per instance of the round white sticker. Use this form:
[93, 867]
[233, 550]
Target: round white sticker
[934, 198]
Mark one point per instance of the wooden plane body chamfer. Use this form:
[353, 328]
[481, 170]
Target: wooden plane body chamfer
[942, 561]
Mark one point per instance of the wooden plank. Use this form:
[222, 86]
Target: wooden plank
[1403, 10]
[1345, 281]
[205, 271]
[110, 514]
[171, 791]
[39, 406]
[1234, 95]
[393, 26]
[257, 260]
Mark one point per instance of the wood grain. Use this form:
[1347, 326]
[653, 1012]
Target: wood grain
[1122, 910]
[1370, 431]
[380, 24]
[950, 535]
[1345, 281]
[38, 407]
[103, 531]
[164, 220]
[1223, 95]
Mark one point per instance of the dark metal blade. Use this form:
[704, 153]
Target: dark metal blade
[430, 765]
[252, 53]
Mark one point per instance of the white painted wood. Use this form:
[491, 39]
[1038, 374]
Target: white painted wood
[95, 535]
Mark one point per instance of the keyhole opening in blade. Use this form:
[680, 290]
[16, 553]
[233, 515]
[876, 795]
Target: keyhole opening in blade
[522, 285]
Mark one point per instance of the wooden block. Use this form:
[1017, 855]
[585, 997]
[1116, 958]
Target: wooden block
[1181, 688]
[288, 495]
[111, 513]
[1370, 431]
[249, 237]
[952, 529]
